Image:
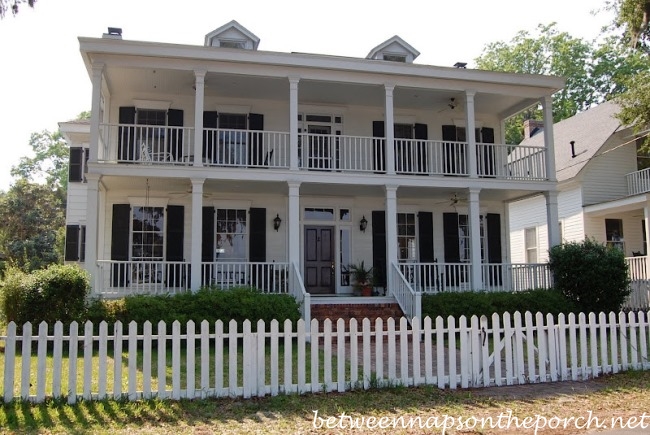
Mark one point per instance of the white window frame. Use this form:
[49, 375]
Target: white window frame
[529, 249]
[234, 234]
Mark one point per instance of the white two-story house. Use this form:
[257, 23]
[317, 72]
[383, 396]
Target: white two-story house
[603, 192]
[221, 164]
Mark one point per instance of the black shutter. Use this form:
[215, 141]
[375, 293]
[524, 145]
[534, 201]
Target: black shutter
[494, 238]
[255, 144]
[486, 158]
[450, 231]
[82, 244]
[75, 166]
[421, 132]
[257, 235]
[175, 232]
[450, 159]
[494, 248]
[207, 239]
[175, 238]
[126, 135]
[379, 146]
[209, 138]
[425, 236]
[379, 247]
[72, 243]
[257, 244]
[120, 243]
[175, 143]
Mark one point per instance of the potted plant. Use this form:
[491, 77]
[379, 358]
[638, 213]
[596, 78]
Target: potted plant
[362, 277]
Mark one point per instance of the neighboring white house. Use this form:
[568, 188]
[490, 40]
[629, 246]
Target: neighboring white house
[223, 164]
[602, 194]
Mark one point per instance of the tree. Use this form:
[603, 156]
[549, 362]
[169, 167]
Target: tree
[32, 218]
[49, 163]
[594, 73]
[13, 6]
[633, 18]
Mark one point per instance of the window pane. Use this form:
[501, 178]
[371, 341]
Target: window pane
[325, 214]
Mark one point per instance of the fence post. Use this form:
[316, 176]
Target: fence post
[10, 362]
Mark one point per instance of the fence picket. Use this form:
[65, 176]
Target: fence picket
[176, 360]
[451, 334]
[133, 354]
[57, 358]
[146, 359]
[354, 353]
[41, 369]
[190, 364]
[72, 363]
[26, 344]
[586, 345]
[10, 362]
[117, 360]
[162, 360]
[340, 355]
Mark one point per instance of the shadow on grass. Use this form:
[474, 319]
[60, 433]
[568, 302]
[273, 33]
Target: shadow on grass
[109, 414]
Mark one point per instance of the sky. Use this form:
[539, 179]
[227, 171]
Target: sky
[43, 80]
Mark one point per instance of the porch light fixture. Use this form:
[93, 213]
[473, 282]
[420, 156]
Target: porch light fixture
[363, 224]
[276, 222]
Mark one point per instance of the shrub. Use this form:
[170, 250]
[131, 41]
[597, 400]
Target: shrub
[591, 275]
[207, 304]
[57, 293]
[482, 303]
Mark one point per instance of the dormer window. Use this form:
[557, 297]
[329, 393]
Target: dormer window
[395, 57]
[232, 43]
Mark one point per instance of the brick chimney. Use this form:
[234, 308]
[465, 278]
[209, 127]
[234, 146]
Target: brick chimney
[532, 127]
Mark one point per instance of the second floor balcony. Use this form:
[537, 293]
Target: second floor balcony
[638, 182]
[254, 149]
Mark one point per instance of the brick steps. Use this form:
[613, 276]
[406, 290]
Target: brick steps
[359, 311]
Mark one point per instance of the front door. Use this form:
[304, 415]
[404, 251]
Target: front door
[319, 259]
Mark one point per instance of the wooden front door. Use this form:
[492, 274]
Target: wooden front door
[319, 259]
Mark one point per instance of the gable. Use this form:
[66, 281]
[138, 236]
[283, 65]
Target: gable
[394, 49]
[232, 35]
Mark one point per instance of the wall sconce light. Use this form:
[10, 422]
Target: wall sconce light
[363, 224]
[276, 222]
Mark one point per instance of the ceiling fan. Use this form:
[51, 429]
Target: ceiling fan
[451, 105]
[187, 192]
[453, 200]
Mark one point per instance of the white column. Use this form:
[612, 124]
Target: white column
[502, 130]
[390, 130]
[293, 123]
[475, 239]
[293, 223]
[470, 133]
[95, 109]
[199, 97]
[547, 107]
[552, 219]
[92, 227]
[196, 232]
[391, 233]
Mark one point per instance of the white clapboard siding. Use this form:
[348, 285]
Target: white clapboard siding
[258, 359]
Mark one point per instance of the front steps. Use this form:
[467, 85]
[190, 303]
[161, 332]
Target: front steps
[358, 308]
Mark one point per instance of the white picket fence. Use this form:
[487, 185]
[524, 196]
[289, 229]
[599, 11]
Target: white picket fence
[213, 362]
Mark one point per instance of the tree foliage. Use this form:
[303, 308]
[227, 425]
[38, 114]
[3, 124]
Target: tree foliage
[33, 219]
[49, 163]
[633, 18]
[594, 72]
[13, 6]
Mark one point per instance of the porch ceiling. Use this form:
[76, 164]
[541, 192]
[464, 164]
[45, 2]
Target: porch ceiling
[145, 81]
[623, 205]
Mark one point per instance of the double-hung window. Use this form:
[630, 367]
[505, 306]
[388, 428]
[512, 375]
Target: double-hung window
[530, 240]
[148, 235]
[231, 235]
[233, 137]
[406, 237]
[464, 238]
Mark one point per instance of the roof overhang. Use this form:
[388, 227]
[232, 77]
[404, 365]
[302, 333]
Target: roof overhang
[618, 205]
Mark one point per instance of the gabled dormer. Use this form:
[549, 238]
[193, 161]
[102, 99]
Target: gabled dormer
[394, 49]
[232, 35]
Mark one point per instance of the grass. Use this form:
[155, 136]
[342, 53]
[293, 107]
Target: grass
[294, 414]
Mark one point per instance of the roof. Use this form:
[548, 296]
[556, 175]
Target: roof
[589, 129]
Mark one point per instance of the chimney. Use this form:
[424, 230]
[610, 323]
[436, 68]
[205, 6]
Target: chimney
[532, 126]
[113, 33]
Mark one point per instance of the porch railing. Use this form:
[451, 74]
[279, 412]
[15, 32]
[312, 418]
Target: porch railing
[638, 182]
[122, 278]
[146, 144]
[267, 277]
[453, 277]
[639, 297]
[409, 300]
[523, 162]
[245, 148]
[297, 290]
[637, 267]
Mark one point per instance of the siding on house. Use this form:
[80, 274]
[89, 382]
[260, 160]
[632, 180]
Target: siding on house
[604, 175]
[571, 215]
[632, 229]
